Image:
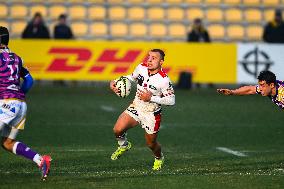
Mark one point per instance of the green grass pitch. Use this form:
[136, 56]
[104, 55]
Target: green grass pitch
[74, 125]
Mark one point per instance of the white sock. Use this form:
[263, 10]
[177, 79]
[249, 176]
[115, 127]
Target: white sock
[122, 140]
[37, 159]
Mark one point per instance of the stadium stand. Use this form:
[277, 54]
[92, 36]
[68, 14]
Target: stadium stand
[111, 19]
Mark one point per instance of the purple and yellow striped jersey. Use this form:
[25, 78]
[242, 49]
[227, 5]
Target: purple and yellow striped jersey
[278, 99]
[11, 70]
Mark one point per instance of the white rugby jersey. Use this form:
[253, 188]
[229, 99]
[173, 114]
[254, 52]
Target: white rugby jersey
[159, 84]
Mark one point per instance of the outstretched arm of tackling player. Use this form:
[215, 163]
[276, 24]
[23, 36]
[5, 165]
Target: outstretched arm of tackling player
[245, 90]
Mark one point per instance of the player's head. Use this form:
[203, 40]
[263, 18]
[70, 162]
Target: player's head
[4, 36]
[278, 15]
[155, 59]
[266, 82]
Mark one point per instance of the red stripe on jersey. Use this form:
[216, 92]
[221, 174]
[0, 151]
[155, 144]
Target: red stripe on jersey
[162, 73]
[144, 64]
[157, 122]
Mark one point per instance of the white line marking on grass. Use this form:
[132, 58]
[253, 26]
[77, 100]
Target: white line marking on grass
[227, 150]
[108, 108]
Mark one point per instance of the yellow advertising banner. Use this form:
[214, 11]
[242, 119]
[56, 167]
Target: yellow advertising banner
[107, 60]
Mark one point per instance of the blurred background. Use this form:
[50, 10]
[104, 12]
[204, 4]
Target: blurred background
[206, 41]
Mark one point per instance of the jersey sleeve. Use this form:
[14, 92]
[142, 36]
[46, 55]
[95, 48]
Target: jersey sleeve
[24, 72]
[168, 95]
[133, 77]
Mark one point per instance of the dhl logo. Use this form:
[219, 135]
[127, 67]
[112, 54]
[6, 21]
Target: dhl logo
[71, 60]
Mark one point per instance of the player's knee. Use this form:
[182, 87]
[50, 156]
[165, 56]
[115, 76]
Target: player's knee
[7, 144]
[117, 131]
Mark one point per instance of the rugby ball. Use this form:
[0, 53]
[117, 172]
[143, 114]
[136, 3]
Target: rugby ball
[124, 87]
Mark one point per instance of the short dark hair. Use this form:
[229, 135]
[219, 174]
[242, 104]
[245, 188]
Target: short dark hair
[267, 76]
[161, 52]
[4, 35]
[62, 16]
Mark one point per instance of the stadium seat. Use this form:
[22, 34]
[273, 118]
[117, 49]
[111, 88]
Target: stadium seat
[117, 13]
[3, 11]
[115, 1]
[235, 32]
[118, 30]
[254, 33]
[174, 1]
[56, 10]
[158, 31]
[251, 2]
[77, 12]
[18, 11]
[138, 30]
[154, 1]
[136, 13]
[214, 15]
[193, 1]
[252, 15]
[193, 13]
[156, 13]
[216, 31]
[17, 28]
[233, 15]
[38, 8]
[268, 14]
[97, 12]
[272, 2]
[177, 31]
[213, 2]
[80, 29]
[175, 14]
[135, 1]
[232, 2]
[99, 29]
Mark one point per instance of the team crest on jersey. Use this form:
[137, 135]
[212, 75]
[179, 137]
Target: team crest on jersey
[140, 79]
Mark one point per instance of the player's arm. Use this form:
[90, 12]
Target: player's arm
[245, 90]
[168, 97]
[132, 77]
[27, 80]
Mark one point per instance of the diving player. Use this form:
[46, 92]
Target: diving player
[267, 86]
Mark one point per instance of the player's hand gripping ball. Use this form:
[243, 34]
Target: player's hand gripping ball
[124, 87]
